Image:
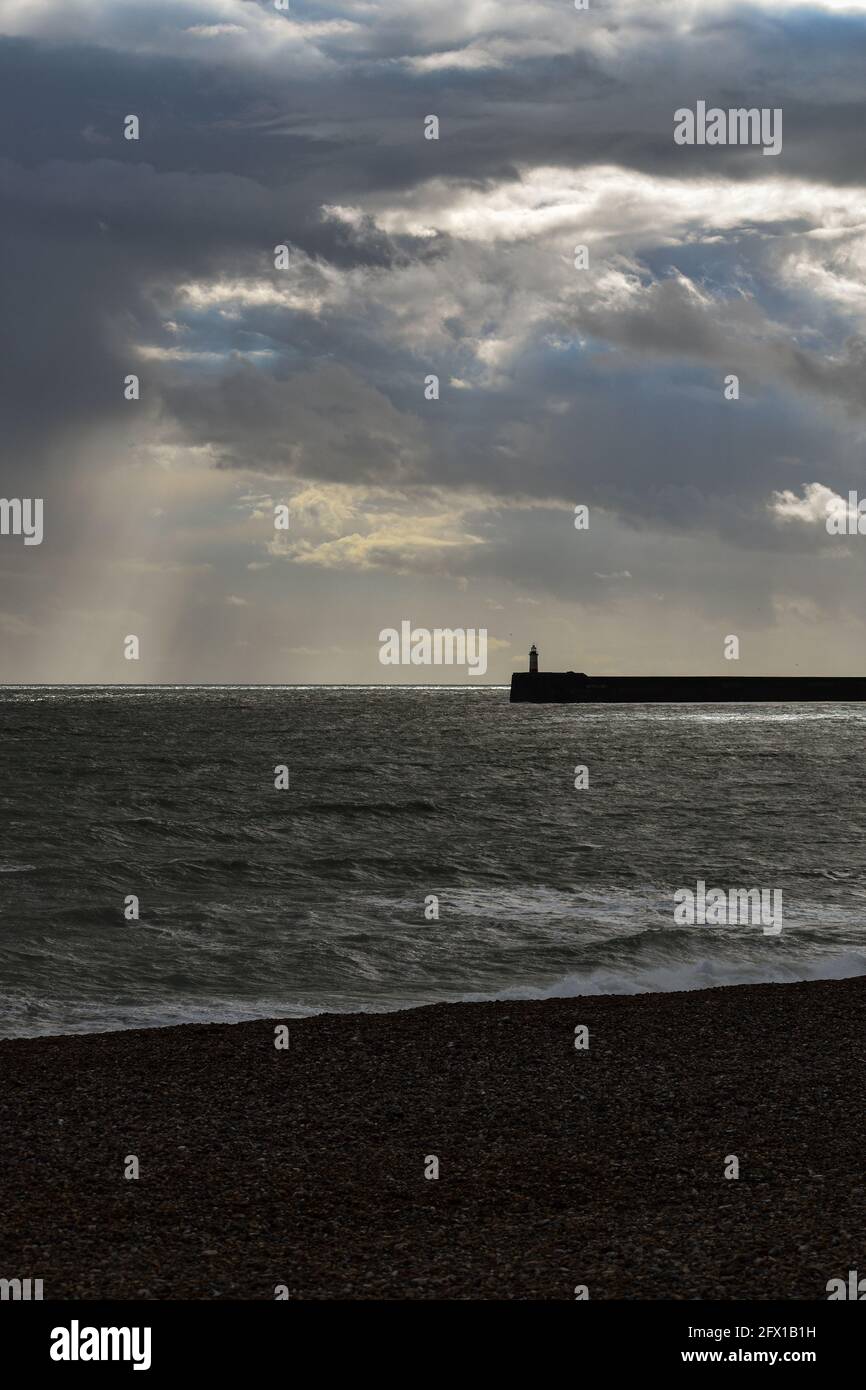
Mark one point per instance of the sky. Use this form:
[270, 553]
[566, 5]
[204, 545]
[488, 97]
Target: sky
[602, 385]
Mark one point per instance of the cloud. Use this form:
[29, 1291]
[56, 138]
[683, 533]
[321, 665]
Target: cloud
[408, 258]
[326, 423]
[817, 504]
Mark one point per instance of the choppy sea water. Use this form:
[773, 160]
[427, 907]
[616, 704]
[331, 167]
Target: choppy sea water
[257, 902]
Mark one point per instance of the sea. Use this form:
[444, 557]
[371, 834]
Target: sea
[431, 844]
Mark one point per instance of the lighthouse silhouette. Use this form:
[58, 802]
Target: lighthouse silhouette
[533, 660]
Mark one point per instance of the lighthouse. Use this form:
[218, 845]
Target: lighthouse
[533, 660]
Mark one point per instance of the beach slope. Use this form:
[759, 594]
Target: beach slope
[558, 1167]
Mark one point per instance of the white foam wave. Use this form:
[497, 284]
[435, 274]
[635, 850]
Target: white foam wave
[699, 974]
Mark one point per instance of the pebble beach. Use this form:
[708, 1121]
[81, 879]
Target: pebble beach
[301, 1172]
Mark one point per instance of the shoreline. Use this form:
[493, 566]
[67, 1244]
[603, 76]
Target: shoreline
[388, 1010]
[558, 1167]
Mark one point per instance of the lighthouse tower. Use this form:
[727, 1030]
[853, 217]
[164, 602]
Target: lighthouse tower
[533, 660]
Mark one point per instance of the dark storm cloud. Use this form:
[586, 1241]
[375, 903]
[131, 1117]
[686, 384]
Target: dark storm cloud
[235, 157]
[412, 257]
[636, 419]
[327, 423]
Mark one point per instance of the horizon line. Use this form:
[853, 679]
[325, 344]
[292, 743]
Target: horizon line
[246, 685]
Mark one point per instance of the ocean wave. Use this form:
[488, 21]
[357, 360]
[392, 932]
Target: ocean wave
[685, 975]
[255, 904]
[364, 808]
